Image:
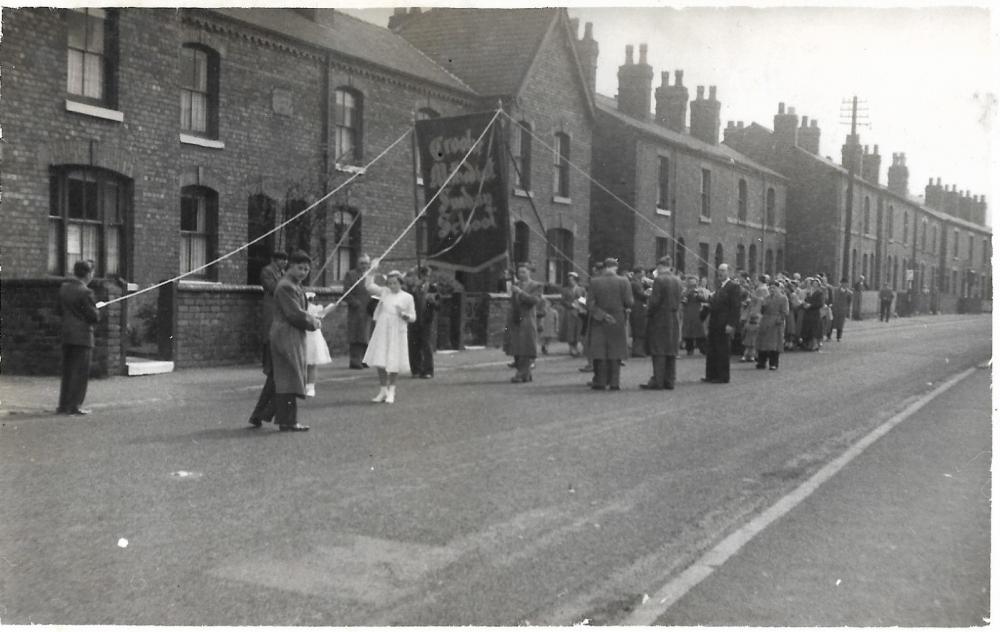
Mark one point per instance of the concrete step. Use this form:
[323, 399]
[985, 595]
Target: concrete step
[145, 366]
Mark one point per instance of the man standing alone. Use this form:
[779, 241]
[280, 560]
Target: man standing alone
[885, 296]
[723, 315]
[842, 298]
[269, 277]
[359, 321]
[608, 298]
[663, 327]
[79, 315]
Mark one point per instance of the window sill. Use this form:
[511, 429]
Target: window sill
[558, 199]
[94, 110]
[663, 211]
[704, 220]
[188, 139]
[523, 193]
[350, 169]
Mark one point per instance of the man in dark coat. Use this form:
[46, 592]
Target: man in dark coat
[637, 317]
[286, 370]
[359, 321]
[841, 307]
[663, 327]
[269, 277]
[79, 315]
[723, 316]
[522, 324]
[608, 298]
[425, 302]
[859, 287]
[885, 296]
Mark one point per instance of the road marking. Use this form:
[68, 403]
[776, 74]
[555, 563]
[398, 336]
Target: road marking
[660, 601]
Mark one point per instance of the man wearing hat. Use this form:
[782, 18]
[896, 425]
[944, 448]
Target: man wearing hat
[269, 277]
[359, 321]
[723, 315]
[608, 299]
[663, 330]
[841, 307]
[573, 299]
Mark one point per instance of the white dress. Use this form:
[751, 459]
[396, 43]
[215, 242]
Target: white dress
[317, 352]
[388, 348]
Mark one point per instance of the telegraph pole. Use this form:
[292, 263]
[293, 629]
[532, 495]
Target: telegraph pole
[852, 167]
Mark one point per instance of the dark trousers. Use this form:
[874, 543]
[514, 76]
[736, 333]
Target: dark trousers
[522, 364]
[765, 358]
[691, 343]
[75, 374]
[664, 371]
[639, 347]
[421, 354]
[884, 310]
[607, 373]
[283, 407]
[357, 354]
[717, 352]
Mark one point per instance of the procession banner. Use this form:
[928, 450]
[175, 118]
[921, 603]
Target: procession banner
[467, 223]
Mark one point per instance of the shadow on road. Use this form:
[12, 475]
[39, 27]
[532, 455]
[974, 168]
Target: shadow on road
[212, 434]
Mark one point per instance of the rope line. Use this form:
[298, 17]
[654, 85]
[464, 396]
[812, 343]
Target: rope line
[268, 233]
[336, 246]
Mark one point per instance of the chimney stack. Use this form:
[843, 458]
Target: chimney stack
[705, 116]
[898, 175]
[587, 50]
[786, 127]
[672, 102]
[808, 136]
[635, 85]
[871, 165]
[950, 200]
[400, 16]
[965, 206]
[933, 195]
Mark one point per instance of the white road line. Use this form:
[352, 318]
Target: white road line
[664, 598]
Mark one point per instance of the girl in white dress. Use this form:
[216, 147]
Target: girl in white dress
[317, 352]
[388, 350]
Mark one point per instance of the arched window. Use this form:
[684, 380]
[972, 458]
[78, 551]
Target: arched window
[92, 53]
[719, 255]
[663, 184]
[261, 218]
[741, 198]
[769, 213]
[521, 245]
[752, 263]
[854, 264]
[347, 120]
[868, 216]
[559, 256]
[923, 235]
[87, 216]
[199, 90]
[890, 220]
[522, 155]
[934, 239]
[779, 260]
[199, 220]
[906, 227]
[741, 257]
[769, 261]
[560, 172]
[345, 221]
[864, 265]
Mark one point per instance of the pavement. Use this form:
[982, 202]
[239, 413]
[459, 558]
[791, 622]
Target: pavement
[26, 396]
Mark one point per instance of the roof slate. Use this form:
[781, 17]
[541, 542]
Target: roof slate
[721, 152]
[489, 49]
[352, 37]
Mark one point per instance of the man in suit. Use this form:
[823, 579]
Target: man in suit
[359, 321]
[425, 302]
[663, 327]
[269, 277]
[841, 306]
[723, 316]
[79, 315]
[885, 297]
[608, 298]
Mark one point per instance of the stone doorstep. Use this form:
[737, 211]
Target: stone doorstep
[143, 366]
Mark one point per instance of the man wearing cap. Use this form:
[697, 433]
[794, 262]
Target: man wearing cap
[841, 307]
[723, 315]
[663, 320]
[359, 321]
[269, 277]
[608, 298]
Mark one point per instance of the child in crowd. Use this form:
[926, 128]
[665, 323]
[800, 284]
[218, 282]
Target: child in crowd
[548, 328]
[317, 351]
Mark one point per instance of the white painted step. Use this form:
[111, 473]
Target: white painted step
[145, 366]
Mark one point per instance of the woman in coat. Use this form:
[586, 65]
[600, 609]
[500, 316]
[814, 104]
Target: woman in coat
[573, 312]
[771, 332]
[522, 325]
[693, 329]
[663, 327]
[389, 349]
[812, 328]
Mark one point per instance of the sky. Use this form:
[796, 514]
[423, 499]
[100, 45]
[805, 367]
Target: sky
[927, 75]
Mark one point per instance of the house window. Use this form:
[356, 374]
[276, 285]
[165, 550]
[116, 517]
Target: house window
[349, 246]
[769, 261]
[347, 118]
[719, 256]
[522, 155]
[663, 184]
[199, 90]
[662, 248]
[769, 213]
[560, 183]
[752, 263]
[91, 53]
[934, 239]
[703, 260]
[906, 227]
[854, 264]
[986, 252]
[741, 257]
[199, 211]
[779, 261]
[706, 190]
[87, 214]
[868, 216]
[741, 200]
[955, 245]
[521, 244]
[971, 246]
[560, 256]
[892, 231]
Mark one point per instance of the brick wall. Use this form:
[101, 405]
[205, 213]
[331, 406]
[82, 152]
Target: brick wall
[31, 325]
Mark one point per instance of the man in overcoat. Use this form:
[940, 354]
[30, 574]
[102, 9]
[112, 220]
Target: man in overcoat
[269, 277]
[608, 298]
[723, 316]
[522, 324]
[286, 370]
[841, 307]
[693, 329]
[663, 327]
[359, 321]
[425, 302]
[79, 315]
[885, 297]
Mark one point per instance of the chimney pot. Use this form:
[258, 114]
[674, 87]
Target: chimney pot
[876, 150]
[628, 54]
[399, 11]
[679, 77]
[740, 124]
[814, 123]
[711, 92]
[415, 10]
[930, 182]
[781, 108]
[574, 26]
[939, 181]
[642, 53]
[730, 124]
[588, 31]
[805, 121]
[665, 78]
[700, 93]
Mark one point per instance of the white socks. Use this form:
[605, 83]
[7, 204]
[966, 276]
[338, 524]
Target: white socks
[310, 390]
[390, 394]
[383, 394]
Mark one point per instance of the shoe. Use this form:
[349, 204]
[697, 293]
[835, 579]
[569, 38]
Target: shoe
[310, 390]
[383, 393]
[356, 367]
[650, 387]
[79, 411]
[426, 376]
[61, 411]
[256, 423]
[364, 365]
[714, 381]
[596, 387]
[586, 369]
[761, 366]
[511, 365]
[518, 379]
[614, 388]
[668, 387]
[293, 428]
[774, 368]
[390, 396]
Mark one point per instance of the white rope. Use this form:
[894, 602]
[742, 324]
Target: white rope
[268, 233]
[329, 308]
